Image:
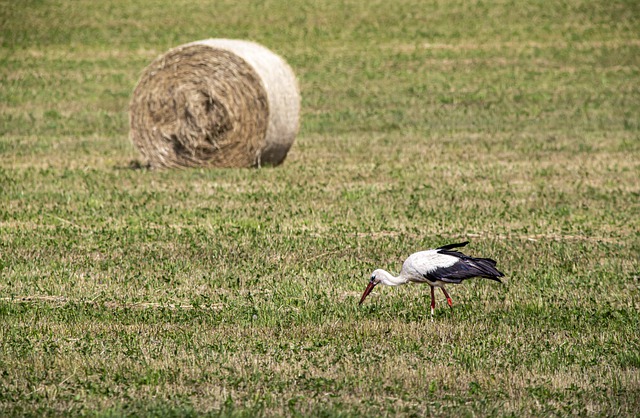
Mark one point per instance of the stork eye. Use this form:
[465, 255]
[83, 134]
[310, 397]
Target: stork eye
[373, 277]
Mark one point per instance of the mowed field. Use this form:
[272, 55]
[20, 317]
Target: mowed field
[514, 125]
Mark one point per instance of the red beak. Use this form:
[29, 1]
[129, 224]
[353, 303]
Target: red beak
[368, 290]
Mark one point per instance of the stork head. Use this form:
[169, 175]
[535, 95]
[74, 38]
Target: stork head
[376, 278]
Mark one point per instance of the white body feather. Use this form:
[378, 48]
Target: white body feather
[416, 266]
[423, 262]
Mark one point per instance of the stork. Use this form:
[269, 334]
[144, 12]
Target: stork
[437, 267]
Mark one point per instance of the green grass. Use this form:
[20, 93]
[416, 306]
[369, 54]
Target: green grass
[234, 292]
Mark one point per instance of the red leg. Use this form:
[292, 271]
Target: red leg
[433, 302]
[448, 297]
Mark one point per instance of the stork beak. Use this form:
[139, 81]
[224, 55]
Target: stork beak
[368, 290]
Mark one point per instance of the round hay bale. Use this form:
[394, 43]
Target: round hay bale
[215, 103]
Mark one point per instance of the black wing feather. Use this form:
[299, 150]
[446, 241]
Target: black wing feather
[465, 268]
[450, 246]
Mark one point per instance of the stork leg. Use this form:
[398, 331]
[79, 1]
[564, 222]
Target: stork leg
[433, 302]
[448, 297]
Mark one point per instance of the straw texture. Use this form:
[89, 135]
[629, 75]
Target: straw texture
[215, 103]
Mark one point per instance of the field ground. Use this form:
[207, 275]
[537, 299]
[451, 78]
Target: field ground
[514, 125]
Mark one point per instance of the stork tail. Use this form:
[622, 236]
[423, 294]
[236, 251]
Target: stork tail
[487, 269]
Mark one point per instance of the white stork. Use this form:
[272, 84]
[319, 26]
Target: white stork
[436, 268]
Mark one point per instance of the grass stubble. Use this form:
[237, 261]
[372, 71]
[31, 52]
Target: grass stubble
[234, 292]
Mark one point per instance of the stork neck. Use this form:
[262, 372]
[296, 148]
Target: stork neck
[391, 280]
